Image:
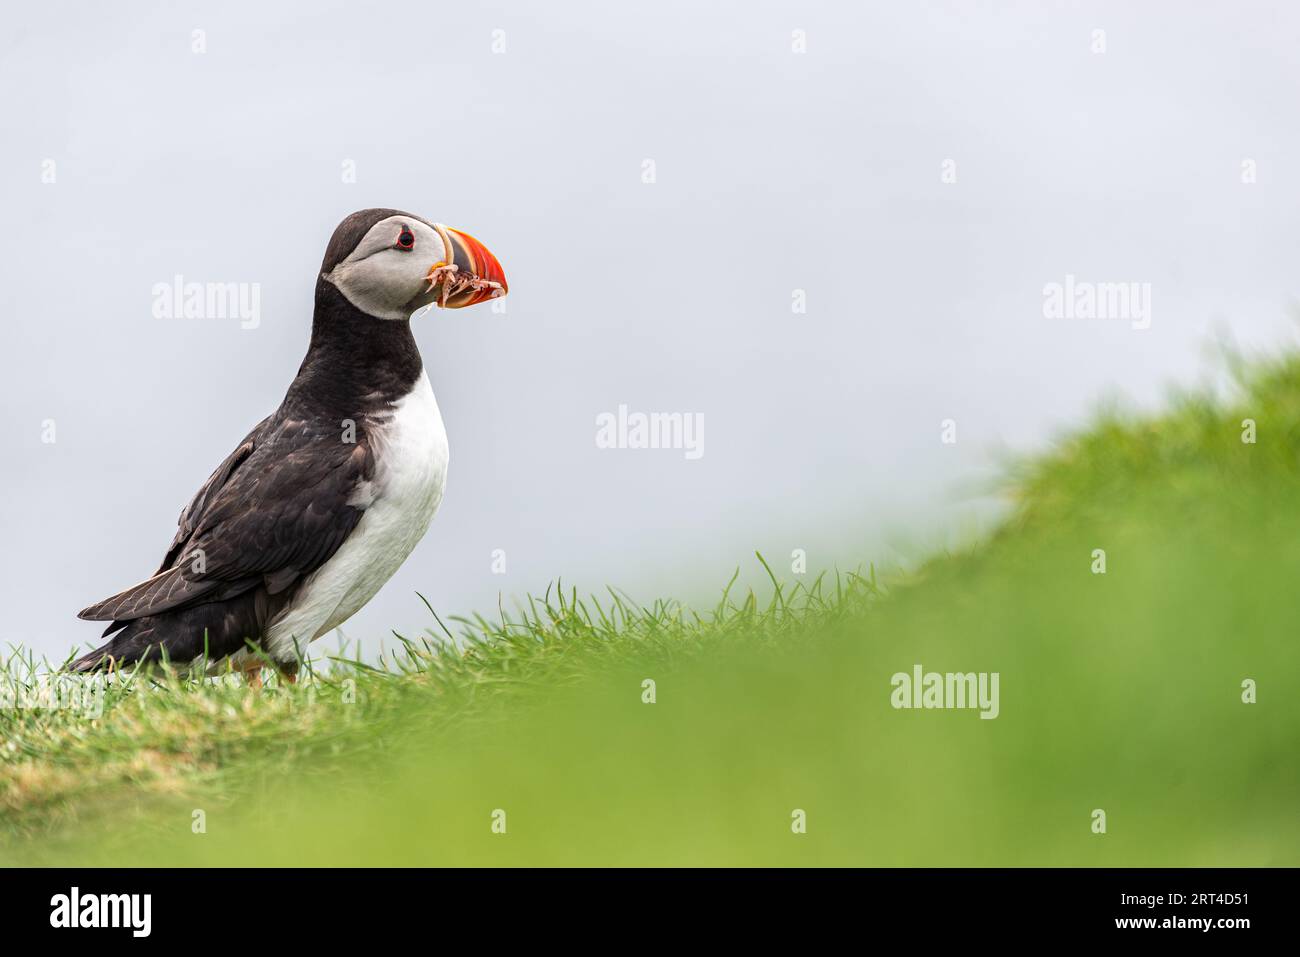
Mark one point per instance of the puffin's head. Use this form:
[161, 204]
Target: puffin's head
[390, 264]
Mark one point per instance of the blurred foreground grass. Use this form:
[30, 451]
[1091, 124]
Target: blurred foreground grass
[1120, 691]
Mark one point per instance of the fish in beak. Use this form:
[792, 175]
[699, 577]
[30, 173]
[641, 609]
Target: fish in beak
[470, 275]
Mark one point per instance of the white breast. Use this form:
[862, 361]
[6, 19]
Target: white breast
[410, 449]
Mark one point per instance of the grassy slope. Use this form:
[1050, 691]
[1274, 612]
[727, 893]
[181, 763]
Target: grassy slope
[1119, 691]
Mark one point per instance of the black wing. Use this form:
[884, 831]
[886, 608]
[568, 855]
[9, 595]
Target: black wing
[272, 513]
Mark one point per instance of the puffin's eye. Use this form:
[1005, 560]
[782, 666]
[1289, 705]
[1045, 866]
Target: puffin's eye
[406, 239]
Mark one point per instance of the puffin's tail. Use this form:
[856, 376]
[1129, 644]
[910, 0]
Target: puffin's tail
[134, 643]
[213, 630]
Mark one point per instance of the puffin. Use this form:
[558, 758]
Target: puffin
[299, 527]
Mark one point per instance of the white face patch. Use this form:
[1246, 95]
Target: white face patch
[385, 279]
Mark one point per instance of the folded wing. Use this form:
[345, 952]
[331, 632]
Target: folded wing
[272, 513]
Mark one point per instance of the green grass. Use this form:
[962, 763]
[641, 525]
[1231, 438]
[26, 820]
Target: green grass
[1120, 691]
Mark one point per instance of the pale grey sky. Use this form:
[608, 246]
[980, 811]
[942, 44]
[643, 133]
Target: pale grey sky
[775, 171]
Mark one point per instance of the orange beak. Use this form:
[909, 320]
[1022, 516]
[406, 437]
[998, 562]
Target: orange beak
[472, 275]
